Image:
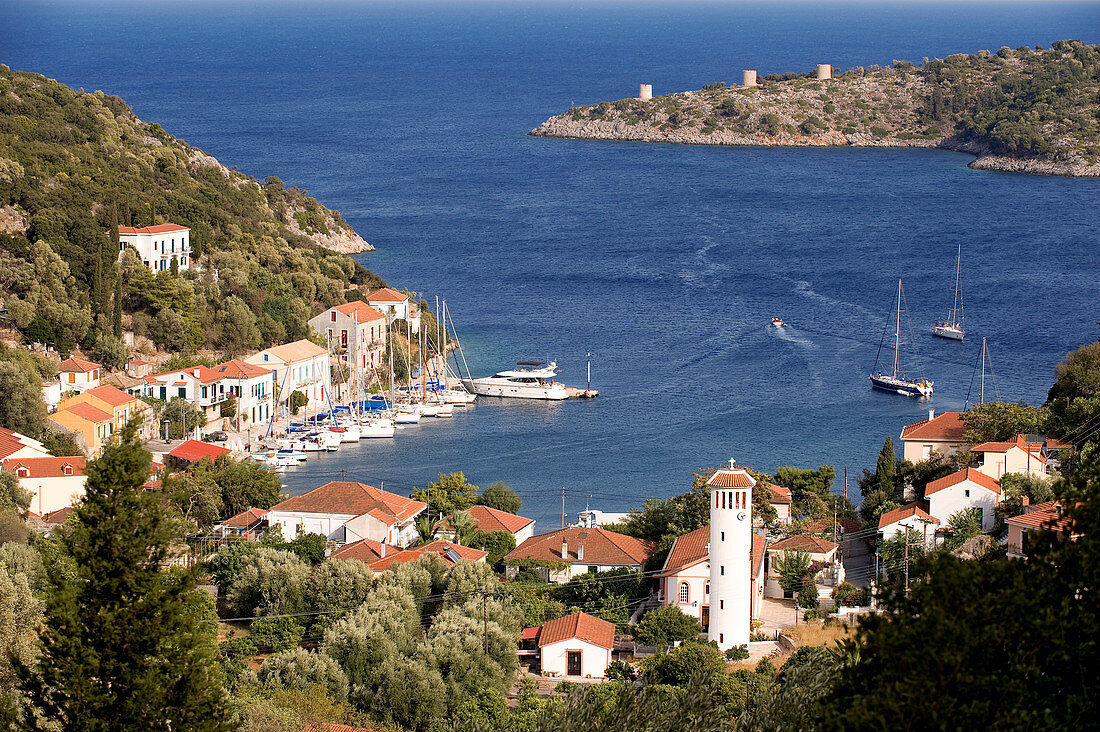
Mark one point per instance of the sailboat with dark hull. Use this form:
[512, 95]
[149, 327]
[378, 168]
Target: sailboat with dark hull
[895, 380]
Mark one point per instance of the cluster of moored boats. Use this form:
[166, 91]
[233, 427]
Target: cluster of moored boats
[376, 417]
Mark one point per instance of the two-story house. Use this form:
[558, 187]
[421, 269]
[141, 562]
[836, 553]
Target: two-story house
[396, 306]
[1014, 456]
[96, 414]
[345, 512]
[357, 332]
[965, 489]
[940, 433]
[252, 386]
[76, 374]
[299, 366]
[158, 246]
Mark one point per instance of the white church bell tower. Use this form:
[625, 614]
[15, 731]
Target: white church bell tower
[730, 556]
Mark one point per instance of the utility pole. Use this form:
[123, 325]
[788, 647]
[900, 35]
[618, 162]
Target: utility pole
[845, 483]
[343, 475]
[563, 507]
[907, 560]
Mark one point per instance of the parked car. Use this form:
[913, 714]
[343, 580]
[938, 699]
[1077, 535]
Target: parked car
[218, 436]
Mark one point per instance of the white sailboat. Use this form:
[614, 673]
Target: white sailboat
[952, 327]
[895, 380]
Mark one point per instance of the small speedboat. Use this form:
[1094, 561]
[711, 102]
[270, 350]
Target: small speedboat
[778, 321]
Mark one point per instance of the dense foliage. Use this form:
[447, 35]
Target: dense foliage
[75, 166]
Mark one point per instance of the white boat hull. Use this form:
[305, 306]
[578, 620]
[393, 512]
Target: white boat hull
[492, 387]
[945, 330]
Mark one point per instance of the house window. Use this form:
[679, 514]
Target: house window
[685, 593]
[332, 316]
[67, 470]
[721, 604]
[723, 536]
[24, 473]
[722, 570]
[720, 638]
[183, 392]
[967, 492]
[593, 569]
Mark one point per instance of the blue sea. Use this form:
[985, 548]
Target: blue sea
[665, 263]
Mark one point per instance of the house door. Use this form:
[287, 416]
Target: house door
[573, 663]
[704, 617]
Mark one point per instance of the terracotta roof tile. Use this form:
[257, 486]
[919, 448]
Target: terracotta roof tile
[779, 494]
[731, 478]
[1035, 448]
[111, 395]
[364, 550]
[355, 499]
[688, 549]
[491, 519]
[966, 474]
[73, 364]
[364, 313]
[194, 450]
[1041, 516]
[157, 229]
[385, 294]
[53, 518]
[804, 543]
[47, 467]
[583, 626]
[910, 509]
[442, 548]
[233, 369]
[246, 519]
[10, 443]
[87, 412]
[600, 546]
[296, 351]
[944, 427]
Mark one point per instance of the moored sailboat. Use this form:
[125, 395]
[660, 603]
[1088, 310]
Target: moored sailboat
[952, 327]
[895, 380]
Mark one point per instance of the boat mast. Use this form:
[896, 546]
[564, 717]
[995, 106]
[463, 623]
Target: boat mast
[897, 332]
[981, 389]
[955, 305]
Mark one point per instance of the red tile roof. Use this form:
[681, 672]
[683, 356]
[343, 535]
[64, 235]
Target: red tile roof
[491, 519]
[694, 547]
[779, 494]
[158, 229]
[112, 395]
[804, 543]
[10, 443]
[910, 509]
[385, 294]
[582, 626]
[731, 478]
[600, 546]
[1054, 443]
[47, 467]
[72, 364]
[53, 518]
[193, 451]
[234, 369]
[1020, 441]
[355, 499]
[442, 548]
[364, 550]
[246, 519]
[688, 549]
[966, 474]
[530, 633]
[88, 412]
[825, 526]
[362, 312]
[1041, 516]
[944, 427]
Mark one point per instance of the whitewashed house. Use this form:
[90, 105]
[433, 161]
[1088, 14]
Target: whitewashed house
[76, 374]
[967, 488]
[345, 512]
[53, 482]
[51, 394]
[685, 577]
[299, 366]
[1015, 456]
[780, 499]
[357, 331]
[252, 386]
[397, 306]
[576, 550]
[913, 516]
[18, 445]
[158, 246]
[576, 645]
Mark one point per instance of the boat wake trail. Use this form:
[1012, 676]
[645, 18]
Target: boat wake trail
[804, 288]
[701, 270]
[785, 332]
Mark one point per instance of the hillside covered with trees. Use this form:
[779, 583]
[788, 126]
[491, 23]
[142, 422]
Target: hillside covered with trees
[74, 166]
[1027, 109]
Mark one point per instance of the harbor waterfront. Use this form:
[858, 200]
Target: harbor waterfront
[666, 262]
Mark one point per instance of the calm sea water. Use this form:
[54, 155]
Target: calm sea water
[665, 262]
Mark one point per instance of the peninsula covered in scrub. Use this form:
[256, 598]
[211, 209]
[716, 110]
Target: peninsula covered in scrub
[1027, 110]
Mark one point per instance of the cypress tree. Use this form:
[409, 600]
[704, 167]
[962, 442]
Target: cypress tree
[116, 315]
[123, 646]
[887, 468]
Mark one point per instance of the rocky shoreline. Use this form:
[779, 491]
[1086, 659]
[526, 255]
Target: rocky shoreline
[565, 126]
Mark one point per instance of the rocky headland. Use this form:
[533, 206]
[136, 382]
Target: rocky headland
[1025, 110]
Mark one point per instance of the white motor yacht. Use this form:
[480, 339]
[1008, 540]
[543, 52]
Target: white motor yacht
[529, 380]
